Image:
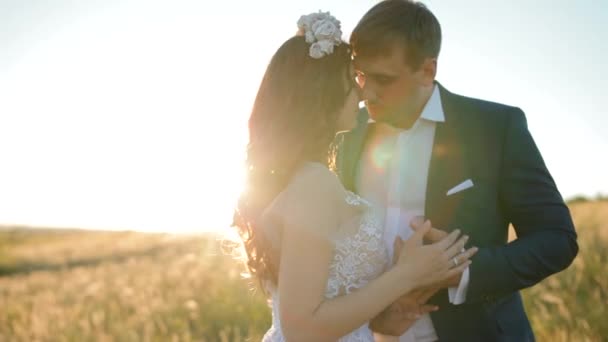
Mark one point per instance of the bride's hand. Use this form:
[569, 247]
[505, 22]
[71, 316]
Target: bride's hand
[433, 235]
[428, 265]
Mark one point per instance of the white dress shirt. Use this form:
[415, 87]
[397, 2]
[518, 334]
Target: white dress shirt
[392, 175]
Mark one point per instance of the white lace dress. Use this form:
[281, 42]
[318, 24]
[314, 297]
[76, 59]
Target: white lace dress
[358, 258]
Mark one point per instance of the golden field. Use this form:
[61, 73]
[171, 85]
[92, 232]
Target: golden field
[72, 285]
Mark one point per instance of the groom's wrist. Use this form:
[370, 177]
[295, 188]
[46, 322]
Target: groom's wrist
[382, 323]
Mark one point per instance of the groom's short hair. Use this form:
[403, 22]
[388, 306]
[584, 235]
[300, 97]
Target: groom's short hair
[407, 22]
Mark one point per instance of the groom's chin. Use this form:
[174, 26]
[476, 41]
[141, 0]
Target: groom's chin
[375, 113]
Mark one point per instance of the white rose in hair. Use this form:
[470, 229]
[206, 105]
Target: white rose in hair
[325, 29]
[304, 22]
[327, 46]
[316, 50]
[322, 31]
[310, 37]
[319, 16]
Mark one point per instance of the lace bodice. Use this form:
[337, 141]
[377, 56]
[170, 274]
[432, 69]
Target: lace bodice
[358, 258]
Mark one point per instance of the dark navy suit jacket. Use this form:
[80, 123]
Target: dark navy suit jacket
[490, 144]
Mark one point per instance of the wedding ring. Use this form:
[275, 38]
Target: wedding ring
[455, 261]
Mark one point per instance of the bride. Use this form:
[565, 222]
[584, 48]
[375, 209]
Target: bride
[317, 248]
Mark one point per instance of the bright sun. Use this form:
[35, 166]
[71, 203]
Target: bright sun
[117, 127]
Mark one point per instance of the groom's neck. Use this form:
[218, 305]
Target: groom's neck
[406, 118]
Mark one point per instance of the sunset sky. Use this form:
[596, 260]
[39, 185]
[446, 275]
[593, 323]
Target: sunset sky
[132, 114]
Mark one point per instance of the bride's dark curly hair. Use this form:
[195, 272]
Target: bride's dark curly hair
[294, 120]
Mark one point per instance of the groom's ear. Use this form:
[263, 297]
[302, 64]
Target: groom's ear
[429, 71]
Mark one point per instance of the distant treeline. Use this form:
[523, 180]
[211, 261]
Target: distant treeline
[582, 199]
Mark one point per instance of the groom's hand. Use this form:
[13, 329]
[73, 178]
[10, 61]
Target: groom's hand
[403, 313]
[433, 236]
[391, 322]
[414, 303]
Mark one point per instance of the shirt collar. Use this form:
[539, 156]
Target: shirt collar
[433, 110]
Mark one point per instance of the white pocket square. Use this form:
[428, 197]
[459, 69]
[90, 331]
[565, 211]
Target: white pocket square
[460, 187]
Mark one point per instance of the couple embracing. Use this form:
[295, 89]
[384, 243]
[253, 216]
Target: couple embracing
[391, 222]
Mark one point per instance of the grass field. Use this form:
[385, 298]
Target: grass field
[72, 285]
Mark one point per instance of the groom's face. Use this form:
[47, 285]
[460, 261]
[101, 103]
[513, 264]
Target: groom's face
[390, 86]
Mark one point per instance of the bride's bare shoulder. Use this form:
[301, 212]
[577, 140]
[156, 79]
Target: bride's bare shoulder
[314, 179]
[313, 190]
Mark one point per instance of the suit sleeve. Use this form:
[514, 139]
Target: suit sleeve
[546, 239]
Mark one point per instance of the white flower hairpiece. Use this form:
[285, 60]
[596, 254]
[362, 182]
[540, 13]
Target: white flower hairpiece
[322, 31]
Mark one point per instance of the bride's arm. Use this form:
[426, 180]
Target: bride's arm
[306, 254]
[305, 313]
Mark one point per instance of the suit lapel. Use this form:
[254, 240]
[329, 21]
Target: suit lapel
[446, 168]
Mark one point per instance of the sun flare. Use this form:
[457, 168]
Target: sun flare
[104, 133]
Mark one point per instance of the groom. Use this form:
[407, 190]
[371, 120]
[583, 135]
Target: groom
[461, 162]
